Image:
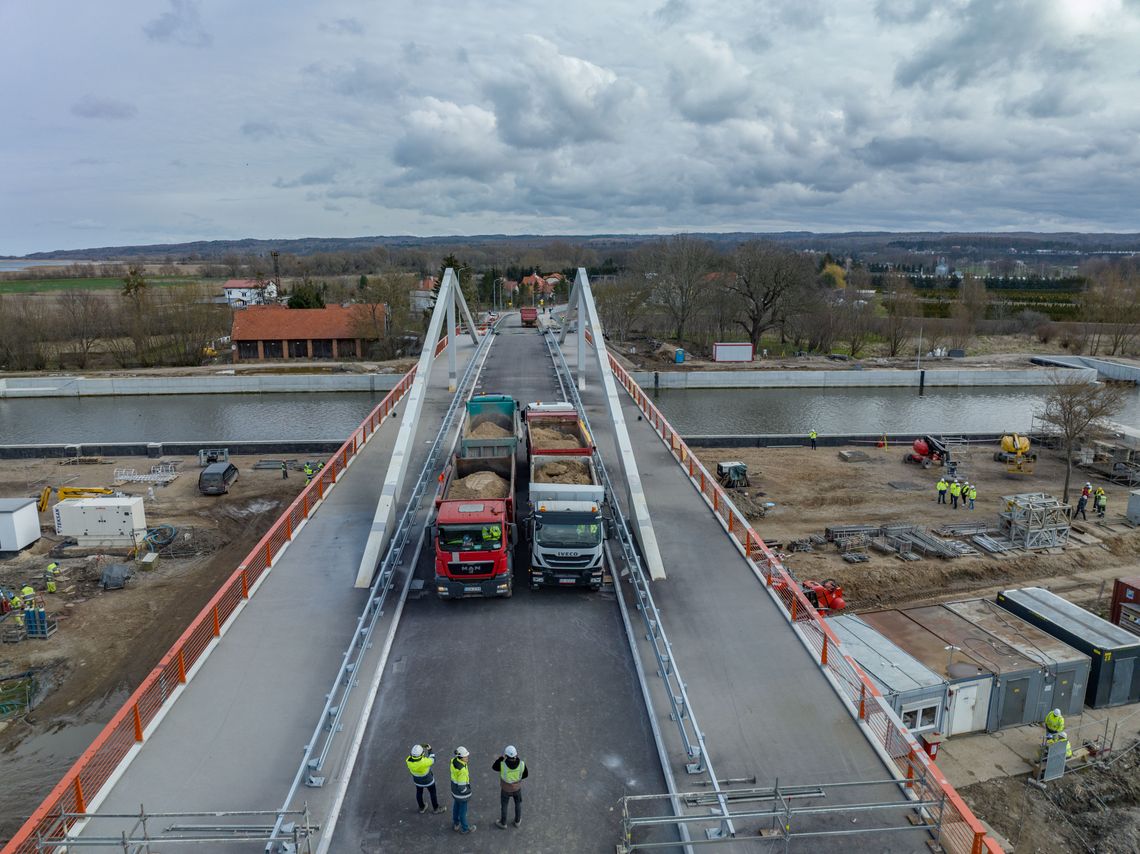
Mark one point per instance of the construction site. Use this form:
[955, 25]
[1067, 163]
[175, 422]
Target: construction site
[858, 525]
[104, 641]
[802, 647]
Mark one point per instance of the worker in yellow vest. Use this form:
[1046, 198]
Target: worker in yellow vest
[308, 469]
[955, 494]
[28, 593]
[51, 575]
[812, 436]
[460, 790]
[1054, 721]
[942, 487]
[419, 763]
[971, 494]
[17, 604]
[512, 771]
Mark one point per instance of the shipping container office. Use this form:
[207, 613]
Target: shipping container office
[1114, 677]
[1019, 682]
[968, 697]
[1126, 603]
[1066, 669]
[916, 693]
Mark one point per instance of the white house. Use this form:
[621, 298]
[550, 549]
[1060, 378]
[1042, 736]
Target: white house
[242, 292]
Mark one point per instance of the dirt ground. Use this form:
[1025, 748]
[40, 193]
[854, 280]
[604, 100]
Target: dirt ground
[108, 641]
[811, 490]
[1093, 809]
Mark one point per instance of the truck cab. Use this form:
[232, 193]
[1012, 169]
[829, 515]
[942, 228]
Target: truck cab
[566, 544]
[473, 549]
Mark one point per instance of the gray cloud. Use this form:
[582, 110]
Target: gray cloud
[551, 99]
[312, 178]
[261, 130]
[343, 26]
[1054, 100]
[994, 37]
[182, 24]
[706, 81]
[363, 79]
[907, 150]
[672, 12]
[903, 11]
[95, 107]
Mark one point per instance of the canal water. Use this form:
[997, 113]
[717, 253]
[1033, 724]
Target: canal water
[332, 416]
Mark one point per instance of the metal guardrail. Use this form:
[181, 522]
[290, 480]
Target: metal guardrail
[127, 728]
[681, 709]
[960, 829]
[329, 720]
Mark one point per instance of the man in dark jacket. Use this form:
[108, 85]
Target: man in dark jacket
[512, 771]
[419, 763]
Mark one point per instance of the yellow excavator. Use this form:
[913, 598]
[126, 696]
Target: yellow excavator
[1015, 454]
[65, 492]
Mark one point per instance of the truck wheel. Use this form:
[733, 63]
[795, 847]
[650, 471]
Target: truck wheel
[927, 463]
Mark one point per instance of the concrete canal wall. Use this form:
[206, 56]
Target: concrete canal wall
[933, 378]
[65, 386]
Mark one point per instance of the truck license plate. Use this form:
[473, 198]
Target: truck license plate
[472, 588]
[567, 580]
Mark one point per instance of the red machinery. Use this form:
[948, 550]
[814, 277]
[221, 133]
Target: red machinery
[825, 596]
[928, 451]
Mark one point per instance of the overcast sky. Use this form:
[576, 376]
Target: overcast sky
[143, 122]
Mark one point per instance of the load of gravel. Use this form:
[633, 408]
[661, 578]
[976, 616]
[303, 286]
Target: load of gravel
[488, 430]
[563, 471]
[480, 484]
[554, 437]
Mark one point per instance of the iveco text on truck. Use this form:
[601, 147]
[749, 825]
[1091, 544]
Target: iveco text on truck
[565, 527]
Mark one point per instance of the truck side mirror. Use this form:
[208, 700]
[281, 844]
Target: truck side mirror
[514, 529]
[607, 528]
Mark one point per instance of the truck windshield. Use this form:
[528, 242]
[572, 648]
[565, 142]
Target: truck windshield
[470, 538]
[569, 535]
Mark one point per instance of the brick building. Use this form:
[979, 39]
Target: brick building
[334, 332]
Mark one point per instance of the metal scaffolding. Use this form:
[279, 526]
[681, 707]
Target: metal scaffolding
[1034, 520]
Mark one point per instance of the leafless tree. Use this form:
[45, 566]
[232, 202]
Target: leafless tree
[901, 307]
[1074, 408]
[620, 304]
[679, 269]
[382, 310]
[186, 322]
[856, 317]
[968, 310]
[767, 279]
[1110, 308]
[83, 317]
[23, 329]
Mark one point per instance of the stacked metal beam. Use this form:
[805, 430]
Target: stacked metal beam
[1034, 520]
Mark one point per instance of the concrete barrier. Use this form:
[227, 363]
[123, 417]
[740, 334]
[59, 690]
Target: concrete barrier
[67, 386]
[1115, 371]
[879, 378]
[777, 440]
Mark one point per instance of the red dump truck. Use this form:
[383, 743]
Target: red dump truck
[529, 316]
[474, 527]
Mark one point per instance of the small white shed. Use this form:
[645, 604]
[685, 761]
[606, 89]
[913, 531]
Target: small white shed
[19, 523]
[732, 352]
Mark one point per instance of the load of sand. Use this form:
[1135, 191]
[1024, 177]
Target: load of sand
[488, 430]
[480, 484]
[554, 437]
[563, 471]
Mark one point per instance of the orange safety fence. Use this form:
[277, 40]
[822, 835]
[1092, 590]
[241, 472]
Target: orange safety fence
[960, 829]
[127, 728]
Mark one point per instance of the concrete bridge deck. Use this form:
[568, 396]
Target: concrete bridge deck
[550, 671]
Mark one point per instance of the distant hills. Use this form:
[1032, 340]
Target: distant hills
[858, 242]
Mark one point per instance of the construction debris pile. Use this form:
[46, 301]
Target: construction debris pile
[1034, 520]
[552, 437]
[481, 484]
[563, 471]
[904, 539]
[488, 430]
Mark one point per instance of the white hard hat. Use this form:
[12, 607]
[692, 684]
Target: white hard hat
[1088, 484]
[510, 751]
[1063, 734]
[417, 750]
[1057, 712]
[462, 752]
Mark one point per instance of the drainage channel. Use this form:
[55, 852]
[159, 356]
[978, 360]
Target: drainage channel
[681, 710]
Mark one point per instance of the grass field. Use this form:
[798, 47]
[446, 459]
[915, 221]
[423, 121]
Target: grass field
[33, 286]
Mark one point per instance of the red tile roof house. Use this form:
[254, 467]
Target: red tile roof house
[277, 332]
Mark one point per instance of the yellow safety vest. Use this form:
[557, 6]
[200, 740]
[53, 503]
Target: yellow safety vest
[1054, 723]
[28, 591]
[812, 434]
[492, 532]
[955, 489]
[421, 769]
[973, 493]
[942, 486]
[511, 775]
